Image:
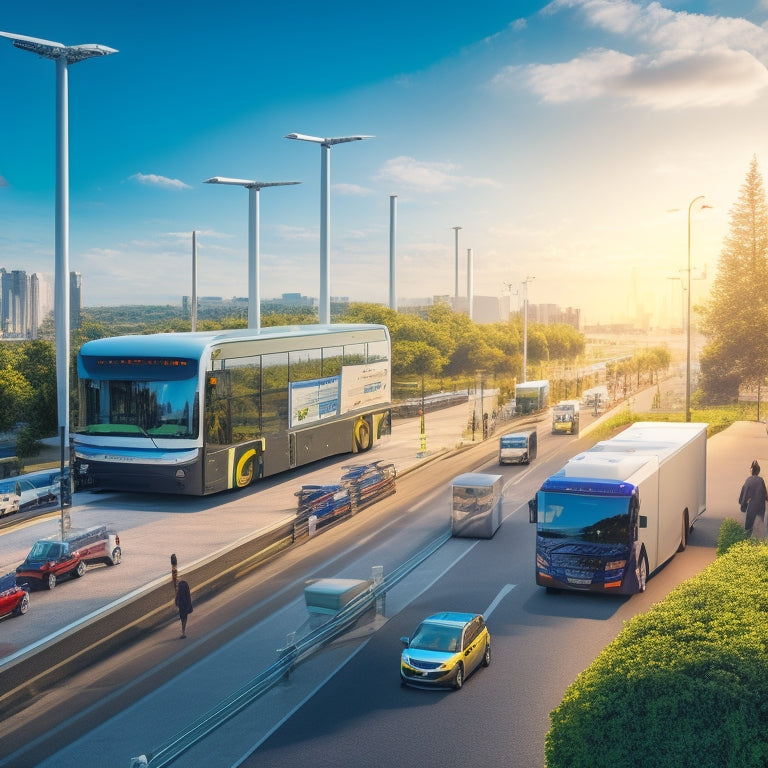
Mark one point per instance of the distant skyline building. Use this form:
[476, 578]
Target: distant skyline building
[25, 303]
[75, 300]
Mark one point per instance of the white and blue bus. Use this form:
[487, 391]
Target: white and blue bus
[617, 512]
[198, 413]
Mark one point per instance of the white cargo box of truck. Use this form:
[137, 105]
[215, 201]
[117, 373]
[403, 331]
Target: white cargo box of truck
[476, 501]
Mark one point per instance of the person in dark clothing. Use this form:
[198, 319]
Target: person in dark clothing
[184, 604]
[753, 497]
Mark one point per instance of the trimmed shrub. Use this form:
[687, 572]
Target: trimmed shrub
[730, 533]
[685, 684]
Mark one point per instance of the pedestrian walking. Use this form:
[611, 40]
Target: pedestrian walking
[184, 604]
[752, 499]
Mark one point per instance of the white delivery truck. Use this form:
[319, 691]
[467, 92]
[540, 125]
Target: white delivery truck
[616, 513]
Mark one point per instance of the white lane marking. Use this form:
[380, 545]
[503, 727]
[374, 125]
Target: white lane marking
[503, 592]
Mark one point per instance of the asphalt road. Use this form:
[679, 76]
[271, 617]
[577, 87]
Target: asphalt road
[345, 707]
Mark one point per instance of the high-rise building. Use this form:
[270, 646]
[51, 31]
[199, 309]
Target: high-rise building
[14, 304]
[75, 299]
[25, 301]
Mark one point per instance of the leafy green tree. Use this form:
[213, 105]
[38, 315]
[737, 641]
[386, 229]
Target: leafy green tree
[416, 358]
[735, 319]
[37, 363]
[16, 393]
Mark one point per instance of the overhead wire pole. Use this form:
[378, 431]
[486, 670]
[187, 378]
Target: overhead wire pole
[324, 309]
[254, 256]
[63, 55]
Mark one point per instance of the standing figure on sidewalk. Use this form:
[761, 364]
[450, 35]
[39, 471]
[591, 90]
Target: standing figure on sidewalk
[753, 497]
[184, 604]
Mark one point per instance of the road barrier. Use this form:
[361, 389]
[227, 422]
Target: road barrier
[288, 659]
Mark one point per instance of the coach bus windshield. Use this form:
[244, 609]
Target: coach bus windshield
[603, 519]
[127, 408]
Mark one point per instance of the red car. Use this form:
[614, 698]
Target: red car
[14, 599]
[48, 560]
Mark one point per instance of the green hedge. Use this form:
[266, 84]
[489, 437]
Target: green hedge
[685, 684]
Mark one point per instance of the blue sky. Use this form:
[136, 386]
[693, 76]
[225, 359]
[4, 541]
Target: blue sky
[559, 136]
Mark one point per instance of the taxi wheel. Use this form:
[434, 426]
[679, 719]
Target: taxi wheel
[80, 570]
[458, 678]
[487, 655]
[51, 581]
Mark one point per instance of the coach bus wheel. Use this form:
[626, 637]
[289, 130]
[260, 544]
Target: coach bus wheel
[363, 435]
[684, 533]
[642, 571]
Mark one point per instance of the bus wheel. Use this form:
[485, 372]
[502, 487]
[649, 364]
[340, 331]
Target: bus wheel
[642, 571]
[363, 434]
[245, 469]
[684, 533]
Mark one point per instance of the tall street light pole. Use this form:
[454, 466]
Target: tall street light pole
[254, 257]
[324, 308]
[63, 55]
[456, 263]
[688, 319]
[527, 280]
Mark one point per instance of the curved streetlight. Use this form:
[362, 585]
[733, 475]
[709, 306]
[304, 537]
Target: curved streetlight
[63, 55]
[324, 309]
[254, 258]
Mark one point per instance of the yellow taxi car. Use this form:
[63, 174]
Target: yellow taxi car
[445, 649]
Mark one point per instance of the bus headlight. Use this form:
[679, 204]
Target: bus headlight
[616, 565]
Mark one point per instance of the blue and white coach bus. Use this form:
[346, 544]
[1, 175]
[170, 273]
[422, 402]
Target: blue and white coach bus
[198, 413]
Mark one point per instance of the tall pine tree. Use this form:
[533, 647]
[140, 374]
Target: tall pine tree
[735, 318]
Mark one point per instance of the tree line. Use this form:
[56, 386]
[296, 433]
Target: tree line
[439, 347]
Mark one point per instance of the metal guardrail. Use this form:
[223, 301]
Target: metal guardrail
[288, 658]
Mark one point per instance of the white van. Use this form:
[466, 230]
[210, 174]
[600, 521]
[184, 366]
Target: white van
[518, 447]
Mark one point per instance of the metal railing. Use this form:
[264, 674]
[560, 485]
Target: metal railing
[288, 659]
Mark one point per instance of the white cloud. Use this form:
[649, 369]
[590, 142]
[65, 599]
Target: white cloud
[419, 175]
[352, 190]
[691, 60]
[673, 79]
[153, 180]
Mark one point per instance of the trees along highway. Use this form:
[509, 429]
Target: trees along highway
[345, 706]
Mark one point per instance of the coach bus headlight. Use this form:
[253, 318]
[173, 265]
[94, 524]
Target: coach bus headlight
[614, 569]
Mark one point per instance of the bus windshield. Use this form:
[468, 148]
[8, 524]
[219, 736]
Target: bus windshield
[603, 519]
[127, 408]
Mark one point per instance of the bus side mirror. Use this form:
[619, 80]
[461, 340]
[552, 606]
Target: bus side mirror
[643, 521]
[533, 509]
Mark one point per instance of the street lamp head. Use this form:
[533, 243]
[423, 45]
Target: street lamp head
[326, 142]
[247, 183]
[51, 50]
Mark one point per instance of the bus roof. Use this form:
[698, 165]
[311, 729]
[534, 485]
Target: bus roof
[191, 345]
